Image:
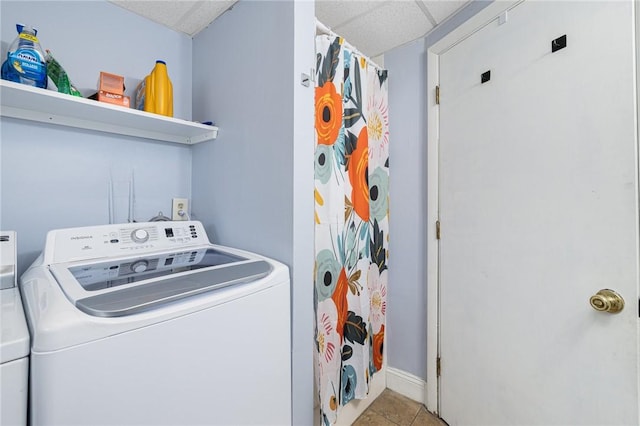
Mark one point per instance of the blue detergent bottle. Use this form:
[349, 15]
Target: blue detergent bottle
[25, 59]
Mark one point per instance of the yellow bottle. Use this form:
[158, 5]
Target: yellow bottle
[158, 91]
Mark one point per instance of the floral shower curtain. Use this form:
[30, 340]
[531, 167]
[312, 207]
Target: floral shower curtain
[352, 222]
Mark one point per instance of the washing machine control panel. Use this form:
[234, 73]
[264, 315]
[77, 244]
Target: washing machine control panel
[113, 273]
[119, 239]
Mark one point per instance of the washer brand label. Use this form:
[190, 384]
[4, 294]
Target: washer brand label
[82, 237]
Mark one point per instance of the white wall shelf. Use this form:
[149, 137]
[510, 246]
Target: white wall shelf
[47, 106]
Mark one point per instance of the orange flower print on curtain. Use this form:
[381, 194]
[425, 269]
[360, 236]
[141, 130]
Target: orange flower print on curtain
[351, 169]
[328, 113]
[340, 299]
[358, 175]
[378, 345]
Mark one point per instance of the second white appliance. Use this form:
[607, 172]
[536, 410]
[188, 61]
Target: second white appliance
[14, 339]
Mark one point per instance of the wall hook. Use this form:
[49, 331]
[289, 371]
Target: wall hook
[559, 43]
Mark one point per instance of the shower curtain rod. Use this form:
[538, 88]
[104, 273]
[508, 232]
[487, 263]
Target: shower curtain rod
[323, 29]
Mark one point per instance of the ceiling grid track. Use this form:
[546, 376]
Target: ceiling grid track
[426, 12]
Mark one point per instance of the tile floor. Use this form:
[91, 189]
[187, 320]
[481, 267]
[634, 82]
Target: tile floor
[393, 409]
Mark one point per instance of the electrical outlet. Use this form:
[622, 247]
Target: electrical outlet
[180, 205]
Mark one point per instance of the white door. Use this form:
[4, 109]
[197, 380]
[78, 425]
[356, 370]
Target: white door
[539, 210]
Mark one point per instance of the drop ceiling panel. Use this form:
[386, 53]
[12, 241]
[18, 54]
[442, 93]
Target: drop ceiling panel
[386, 27]
[202, 15]
[163, 12]
[372, 26]
[441, 10]
[185, 16]
[335, 13]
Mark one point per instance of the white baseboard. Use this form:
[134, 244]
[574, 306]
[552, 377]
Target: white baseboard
[407, 384]
[350, 412]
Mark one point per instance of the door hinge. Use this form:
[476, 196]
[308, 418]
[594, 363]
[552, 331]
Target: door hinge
[438, 369]
[437, 95]
[437, 229]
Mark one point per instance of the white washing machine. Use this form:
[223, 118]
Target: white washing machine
[14, 339]
[151, 324]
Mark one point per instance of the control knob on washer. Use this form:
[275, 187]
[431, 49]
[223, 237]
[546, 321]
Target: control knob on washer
[140, 235]
[139, 266]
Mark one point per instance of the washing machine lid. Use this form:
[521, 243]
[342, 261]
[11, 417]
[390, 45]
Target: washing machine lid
[14, 334]
[131, 285]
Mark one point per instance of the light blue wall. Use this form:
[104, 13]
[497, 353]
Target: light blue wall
[253, 186]
[55, 177]
[242, 182]
[407, 297]
[407, 291]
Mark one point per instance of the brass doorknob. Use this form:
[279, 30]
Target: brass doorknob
[607, 301]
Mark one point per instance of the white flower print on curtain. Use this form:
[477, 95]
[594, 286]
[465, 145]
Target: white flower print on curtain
[352, 222]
